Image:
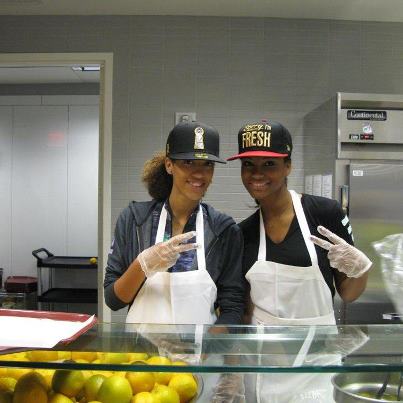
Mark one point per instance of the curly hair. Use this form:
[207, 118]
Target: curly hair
[155, 177]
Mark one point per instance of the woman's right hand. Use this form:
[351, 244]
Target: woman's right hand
[161, 256]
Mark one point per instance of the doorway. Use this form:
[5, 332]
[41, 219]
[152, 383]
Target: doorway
[105, 61]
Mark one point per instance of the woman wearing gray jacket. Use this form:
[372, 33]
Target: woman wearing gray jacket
[155, 267]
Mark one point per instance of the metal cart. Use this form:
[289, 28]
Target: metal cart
[63, 295]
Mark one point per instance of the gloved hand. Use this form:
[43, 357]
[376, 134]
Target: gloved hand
[163, 255]
[230, 388]
[342, 256]
[180, 351]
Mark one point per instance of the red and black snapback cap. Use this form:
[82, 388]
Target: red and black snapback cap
[263, 139]
[194, 141]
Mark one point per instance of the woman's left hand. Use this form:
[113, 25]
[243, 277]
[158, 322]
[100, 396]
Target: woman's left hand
[342, 256]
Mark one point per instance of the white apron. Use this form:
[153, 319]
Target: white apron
[292, 295]
[177, 298]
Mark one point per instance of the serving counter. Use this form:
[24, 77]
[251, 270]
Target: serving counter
[210, 352]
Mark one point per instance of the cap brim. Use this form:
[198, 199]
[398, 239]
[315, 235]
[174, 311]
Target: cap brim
[193, 156]
[257, 154]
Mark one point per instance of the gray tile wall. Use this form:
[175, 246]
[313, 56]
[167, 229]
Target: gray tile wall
[228, 70]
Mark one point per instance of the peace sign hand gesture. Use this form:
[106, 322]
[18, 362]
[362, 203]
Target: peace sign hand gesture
[342, 256]
[163, 255]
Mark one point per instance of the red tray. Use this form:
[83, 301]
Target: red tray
[66, 316]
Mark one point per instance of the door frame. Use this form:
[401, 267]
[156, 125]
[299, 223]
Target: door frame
[105, 60]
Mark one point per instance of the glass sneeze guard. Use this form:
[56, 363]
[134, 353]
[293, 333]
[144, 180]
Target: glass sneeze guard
[226, 349]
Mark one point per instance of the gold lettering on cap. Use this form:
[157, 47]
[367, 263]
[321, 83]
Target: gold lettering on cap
[199, 140]
[257, 135]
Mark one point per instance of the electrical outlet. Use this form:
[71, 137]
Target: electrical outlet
[185, 117]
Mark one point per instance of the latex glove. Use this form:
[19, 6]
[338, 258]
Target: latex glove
[163, 255]
[342, 256]
[180, 351]
[230, 388]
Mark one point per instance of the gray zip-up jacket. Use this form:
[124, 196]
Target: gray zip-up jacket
[223, 248]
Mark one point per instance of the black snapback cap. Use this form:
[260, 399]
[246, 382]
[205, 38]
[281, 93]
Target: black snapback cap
[194, 141]
[263, 139]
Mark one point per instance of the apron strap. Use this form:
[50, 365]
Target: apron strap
[305, 347]
[306, 233]
[161, 225]
[262, 239]
[201, 257]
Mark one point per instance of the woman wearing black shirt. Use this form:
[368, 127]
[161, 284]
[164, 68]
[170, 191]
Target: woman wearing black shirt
[292, 281]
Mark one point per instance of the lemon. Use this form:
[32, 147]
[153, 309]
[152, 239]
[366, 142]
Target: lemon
[141, 381]
[30, 388]
[93, 260]
[7, 384]
[185, 385]
[6, 397]
[48, 375]
[115, 389]
[180, 363]
[59, 398]
[17, 373]
[162, 378]
[144, 397]
[68, 382]
[138, 356]
[114, 358]
[92, 386]
[64, 355]
[165, 394]
[42, 355]
[88, 356]
[159, 360]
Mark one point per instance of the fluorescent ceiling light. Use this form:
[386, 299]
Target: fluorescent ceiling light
[86, 68]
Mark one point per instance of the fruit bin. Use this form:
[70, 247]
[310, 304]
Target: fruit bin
[140, 363]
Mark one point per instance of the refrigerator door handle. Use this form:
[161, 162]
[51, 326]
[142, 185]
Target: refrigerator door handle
[344, 191]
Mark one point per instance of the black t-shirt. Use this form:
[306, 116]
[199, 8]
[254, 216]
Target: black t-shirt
[292, 250]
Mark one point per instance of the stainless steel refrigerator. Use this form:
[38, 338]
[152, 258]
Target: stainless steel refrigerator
[355, 143]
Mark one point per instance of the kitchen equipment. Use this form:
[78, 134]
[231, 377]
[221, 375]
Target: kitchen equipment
[67, 294]
[362, 387]
[353, 152]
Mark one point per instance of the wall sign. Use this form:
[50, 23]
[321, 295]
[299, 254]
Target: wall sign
[353, 114]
